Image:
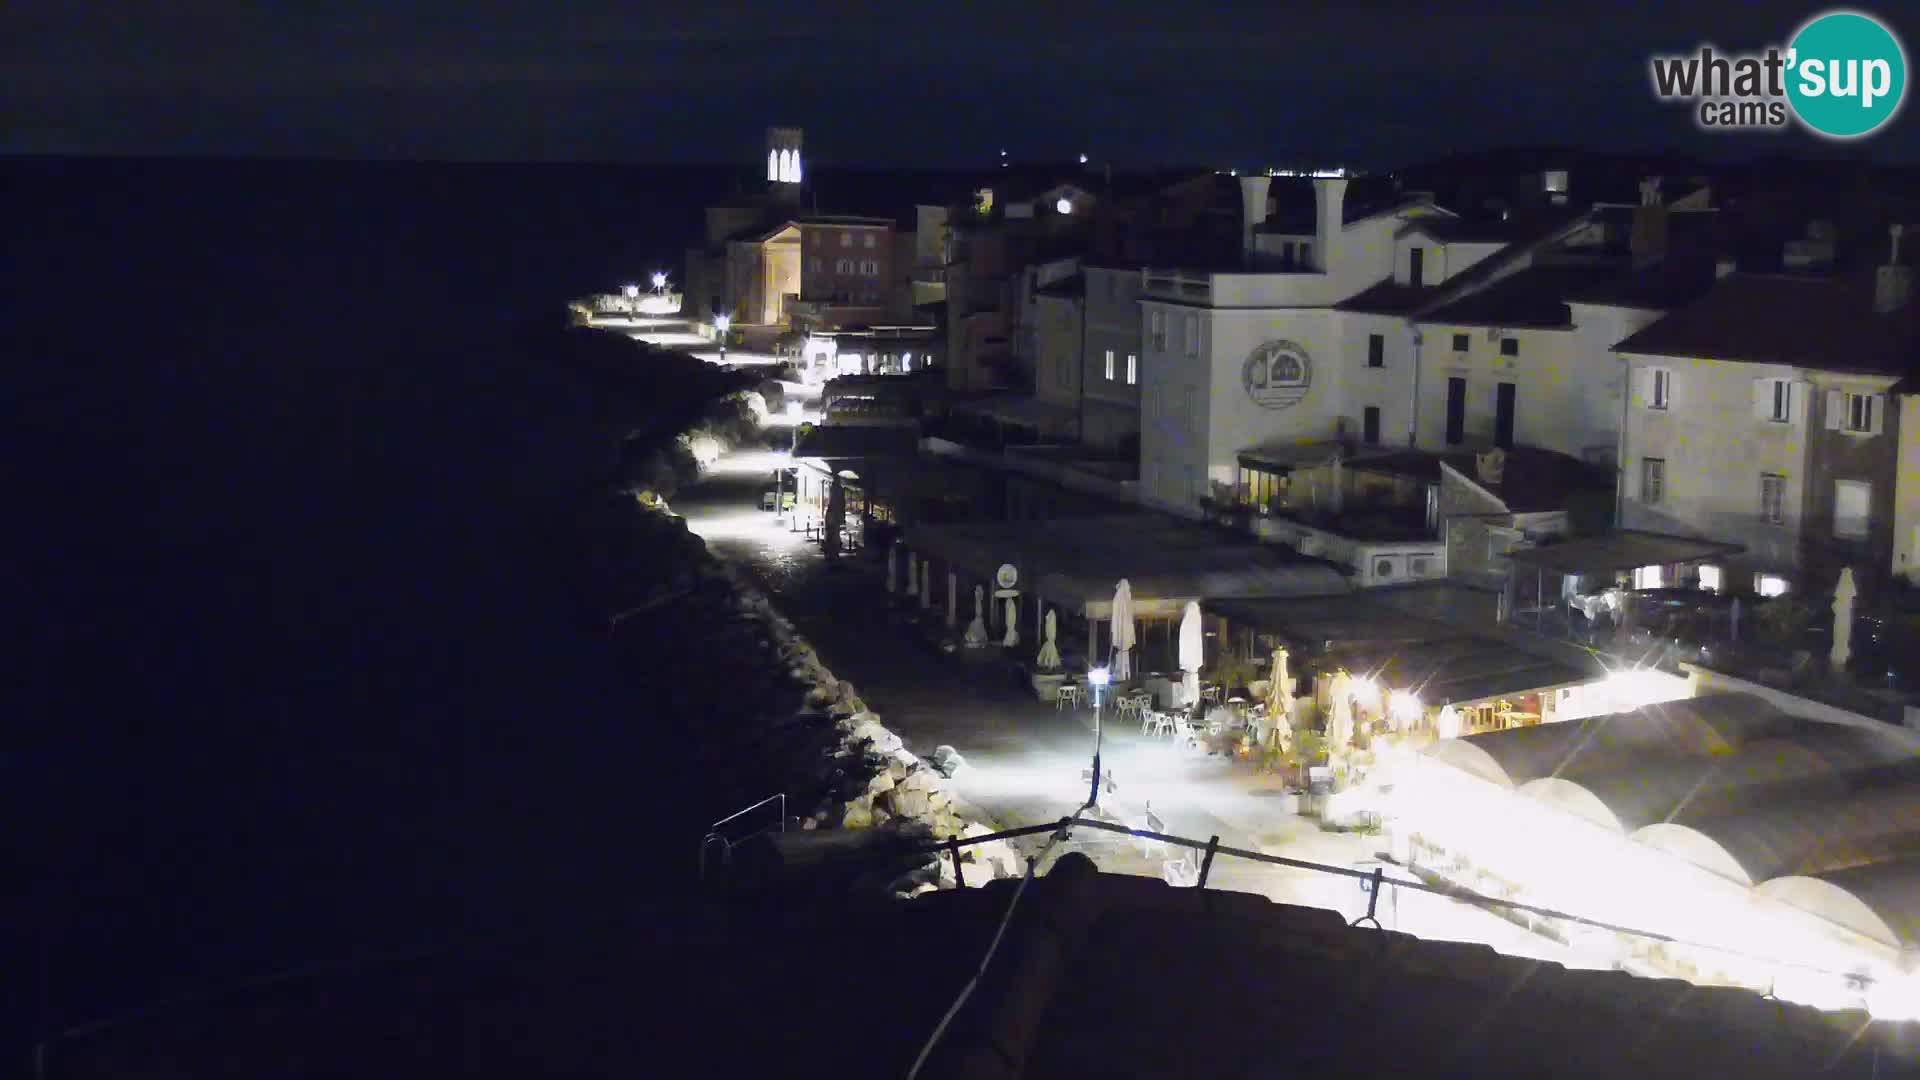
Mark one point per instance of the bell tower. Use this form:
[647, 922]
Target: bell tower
[784, 171]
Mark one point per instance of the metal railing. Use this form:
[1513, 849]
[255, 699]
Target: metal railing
[1371, 880]
[716, 835]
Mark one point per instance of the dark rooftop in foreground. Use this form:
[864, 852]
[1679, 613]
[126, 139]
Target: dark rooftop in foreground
[1099, 976]
[1666, 284]
[1803, 320]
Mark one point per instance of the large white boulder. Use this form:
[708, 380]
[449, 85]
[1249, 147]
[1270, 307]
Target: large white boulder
[859, 814]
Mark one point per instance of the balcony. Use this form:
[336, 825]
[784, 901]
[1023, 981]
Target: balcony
[1191, 286]
[929, 275]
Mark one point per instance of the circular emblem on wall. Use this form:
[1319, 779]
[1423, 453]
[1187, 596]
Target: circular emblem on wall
[1277, 374]
[1006, 577]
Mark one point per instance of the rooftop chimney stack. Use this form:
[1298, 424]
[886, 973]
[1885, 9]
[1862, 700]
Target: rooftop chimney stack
[1329, 217]
[1648, 243]
[1253, 208]
[1892, 283]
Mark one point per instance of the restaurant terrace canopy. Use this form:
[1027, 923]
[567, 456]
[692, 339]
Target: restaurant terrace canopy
[1074, 562]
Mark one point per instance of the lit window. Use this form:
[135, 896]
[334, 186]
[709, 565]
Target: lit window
[866, 240]
[1852, 504]
[1649, 577]
[1773, 498]
[1653, 480]
[1109, 365]
[1769, 585]
[1660, 388]
[1133, 369]
[846, 239]
[1710, 578]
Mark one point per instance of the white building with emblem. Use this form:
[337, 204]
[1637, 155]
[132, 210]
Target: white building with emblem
[1238, 356]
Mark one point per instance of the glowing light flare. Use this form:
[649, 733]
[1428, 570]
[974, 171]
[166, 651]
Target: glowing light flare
[1405, 710]
[659, 280]
[1064, 206]
[631, 291]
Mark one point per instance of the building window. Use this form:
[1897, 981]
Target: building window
[866, 240]
[1859, 412]
[1376, 350]
[1157, 329]
[1510, 346]
[1370, 425]
[1109, 365]
[1192, 336]
[1769, 585]
[1113, 286]
[846, 239]
[816, 265]
[1653, 480]
[1773, 498]
[1711, 579]
[1306, 253]
[1659, 388]
[1852, 503]
[1133, 369]
[1774, 401]
[1649, 577]
[1460, 343]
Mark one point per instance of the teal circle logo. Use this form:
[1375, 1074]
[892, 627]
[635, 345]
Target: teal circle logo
[1847, 74]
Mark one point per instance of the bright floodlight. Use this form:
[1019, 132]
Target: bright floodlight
[659, 279]
[632, 291]
[1083, 159]
[1065, 206]
[722, 322]
[1099, 677]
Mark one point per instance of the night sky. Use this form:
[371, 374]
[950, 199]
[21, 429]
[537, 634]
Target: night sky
[1221, 82]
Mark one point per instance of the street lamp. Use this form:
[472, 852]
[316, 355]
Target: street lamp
[1098, 679]
[660, 281]
[633, 299]
[721, 323]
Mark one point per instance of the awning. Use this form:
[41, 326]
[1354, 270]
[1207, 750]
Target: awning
[1443, 662]
[1075, 562]
[833, 442]
[1622, 550]
[1288, 456]
[1021, 409]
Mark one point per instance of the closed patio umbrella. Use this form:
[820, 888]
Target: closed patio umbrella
[977, 629]
[1280, 695]
[1013, 625]
[1193, 653]
[1123, 641]
[1049, 658]
[1340, 713]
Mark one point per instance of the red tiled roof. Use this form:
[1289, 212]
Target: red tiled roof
[1825, 323]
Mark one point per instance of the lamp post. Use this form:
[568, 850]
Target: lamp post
[660, 282]
[721, 324]
[633, 301]
[1097, 679]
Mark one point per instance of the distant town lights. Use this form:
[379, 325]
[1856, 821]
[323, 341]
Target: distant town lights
[1315, 174]
[1083, 159]
[631, 291]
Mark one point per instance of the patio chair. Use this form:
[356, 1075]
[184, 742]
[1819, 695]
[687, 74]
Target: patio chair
[1183, 730]
[1181, 873]
[1068, 694]
[1127, 706]
[1155, 723]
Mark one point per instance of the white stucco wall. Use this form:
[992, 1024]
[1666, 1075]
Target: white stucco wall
[1715, 450]
[1906, 492]
[1441, 261]
[1390, 388]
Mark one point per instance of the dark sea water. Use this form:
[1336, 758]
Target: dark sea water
[295, 672]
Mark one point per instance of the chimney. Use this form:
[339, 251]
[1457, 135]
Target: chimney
[1892, 283]
[1329, 210]
[1253, 209]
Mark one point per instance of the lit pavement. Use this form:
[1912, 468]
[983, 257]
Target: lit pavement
[1026, 758]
